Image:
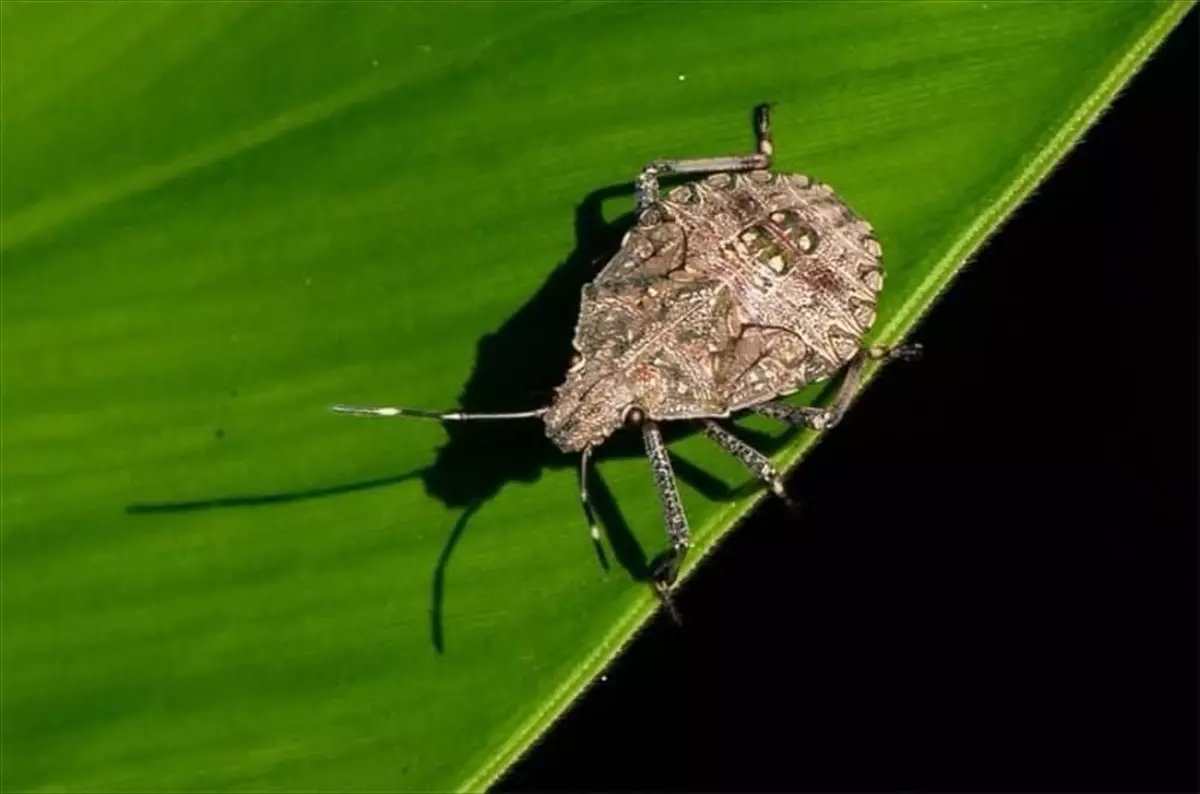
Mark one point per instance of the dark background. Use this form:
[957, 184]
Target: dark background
[992, 585]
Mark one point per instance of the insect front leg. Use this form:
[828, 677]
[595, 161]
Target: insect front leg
[666, 570]
[647, 181]
[588, 511]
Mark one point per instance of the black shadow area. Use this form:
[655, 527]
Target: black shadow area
[993, 584]
[517, 367]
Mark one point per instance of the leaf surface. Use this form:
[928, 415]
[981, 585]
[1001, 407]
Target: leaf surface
[220, 218]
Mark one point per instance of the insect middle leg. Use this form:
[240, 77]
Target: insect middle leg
[667, 569]
[825, 418]
[754, 460]
[647, 181]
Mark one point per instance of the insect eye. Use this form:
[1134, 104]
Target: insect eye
[685, 194]
[651, 217]
[633, 416]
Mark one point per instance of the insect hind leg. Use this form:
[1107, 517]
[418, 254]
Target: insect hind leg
[826, 418]
[647, 181]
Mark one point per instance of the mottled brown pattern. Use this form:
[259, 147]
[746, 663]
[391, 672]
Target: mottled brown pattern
[729, 291]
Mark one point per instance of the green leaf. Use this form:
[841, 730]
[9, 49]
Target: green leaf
[219, 218]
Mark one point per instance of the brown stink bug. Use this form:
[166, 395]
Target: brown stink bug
[729, 293]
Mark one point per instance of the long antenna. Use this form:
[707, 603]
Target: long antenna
[443, 416]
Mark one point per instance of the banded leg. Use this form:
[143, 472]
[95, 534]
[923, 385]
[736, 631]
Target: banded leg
[667, 569]
[826, 418]
[647, 181]
[754, 460]
[909, 352]
[798, 415]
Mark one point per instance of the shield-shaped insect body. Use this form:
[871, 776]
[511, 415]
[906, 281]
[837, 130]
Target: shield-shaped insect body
[731, 291]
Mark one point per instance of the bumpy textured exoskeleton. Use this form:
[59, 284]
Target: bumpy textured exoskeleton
[730, 292]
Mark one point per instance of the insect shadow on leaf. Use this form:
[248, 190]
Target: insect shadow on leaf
[517, 365]
[721, 298]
